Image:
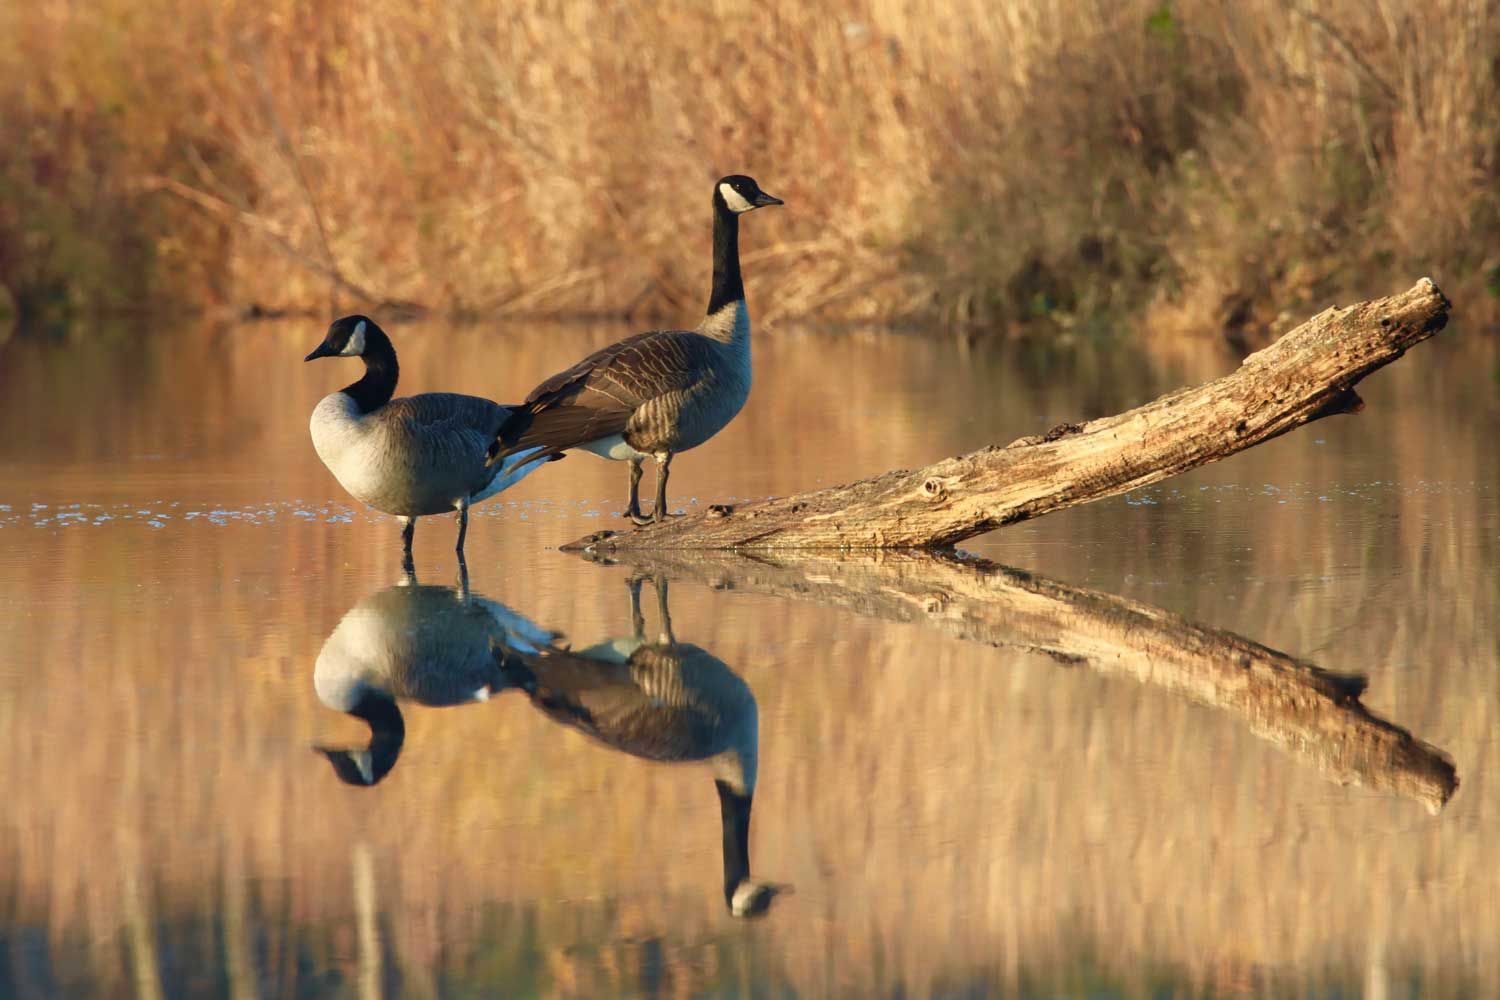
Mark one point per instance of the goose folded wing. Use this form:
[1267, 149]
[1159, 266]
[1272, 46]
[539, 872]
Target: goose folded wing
[601, 699]
[597, 397]
[447, 421]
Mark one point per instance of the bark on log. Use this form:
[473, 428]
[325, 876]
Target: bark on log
[1308, 374]
[1310, 713]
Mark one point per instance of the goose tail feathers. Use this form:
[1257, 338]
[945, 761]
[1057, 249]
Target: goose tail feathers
[540, 434]
[511, 469]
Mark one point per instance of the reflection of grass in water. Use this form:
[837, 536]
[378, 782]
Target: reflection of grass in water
[587, 950]
[934, 803]
[517, 950]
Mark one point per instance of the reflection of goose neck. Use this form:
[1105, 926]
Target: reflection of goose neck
[387, 732]
[734, 809]
[665, 701]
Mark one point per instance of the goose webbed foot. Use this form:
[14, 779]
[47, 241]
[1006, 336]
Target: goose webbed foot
[659, 512]
[656, 516]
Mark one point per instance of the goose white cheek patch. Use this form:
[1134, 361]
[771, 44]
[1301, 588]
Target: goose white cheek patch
[356, 343]
[734, 199]
[746, 894]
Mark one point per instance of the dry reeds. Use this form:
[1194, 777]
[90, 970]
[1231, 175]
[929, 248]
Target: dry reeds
[1202, 163]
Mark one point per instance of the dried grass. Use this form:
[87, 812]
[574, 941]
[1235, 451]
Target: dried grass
[1201, 164]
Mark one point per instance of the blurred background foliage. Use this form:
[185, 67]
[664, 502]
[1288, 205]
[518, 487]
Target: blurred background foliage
[1186, 166]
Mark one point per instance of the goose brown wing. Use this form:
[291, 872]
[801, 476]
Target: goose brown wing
[606, 701]
[447, 425]
[597, 397]
[449, 410]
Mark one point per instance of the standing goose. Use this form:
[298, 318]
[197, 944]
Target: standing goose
[419, 455]
[664, 701]
[658, 393]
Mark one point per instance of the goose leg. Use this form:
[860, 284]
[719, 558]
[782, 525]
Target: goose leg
[637, 620]
[663, 469]
[633, 510]
[463, 527]
[663, 613]
[408, 528]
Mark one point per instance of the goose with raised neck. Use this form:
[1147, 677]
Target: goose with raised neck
[658, 393]
[419, 455]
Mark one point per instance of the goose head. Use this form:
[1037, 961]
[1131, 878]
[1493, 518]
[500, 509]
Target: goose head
[349, 337]
[738, 194]
[751, 898]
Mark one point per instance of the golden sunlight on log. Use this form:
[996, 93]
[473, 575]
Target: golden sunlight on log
[1305, 376]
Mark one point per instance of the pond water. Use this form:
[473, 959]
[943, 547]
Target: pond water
[957, 791]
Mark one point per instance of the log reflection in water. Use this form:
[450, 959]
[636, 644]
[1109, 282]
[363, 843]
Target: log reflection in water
[1314, 714]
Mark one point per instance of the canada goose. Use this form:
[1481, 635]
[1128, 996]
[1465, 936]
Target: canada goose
[664, 701]
[437, 646]
[657, 393]
[420, 455]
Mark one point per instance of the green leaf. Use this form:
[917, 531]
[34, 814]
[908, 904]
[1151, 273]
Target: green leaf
[1163, 23]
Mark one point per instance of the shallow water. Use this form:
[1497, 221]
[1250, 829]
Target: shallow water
[957, 795]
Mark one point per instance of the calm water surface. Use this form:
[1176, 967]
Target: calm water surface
[955, 793]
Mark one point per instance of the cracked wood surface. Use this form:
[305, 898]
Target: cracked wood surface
[1310, 713]
[1308, 374]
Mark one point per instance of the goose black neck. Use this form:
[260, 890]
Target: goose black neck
[377, 386]
[734, 809]
[387, 732]
[382, 715]
[387, 735]
[727, 284]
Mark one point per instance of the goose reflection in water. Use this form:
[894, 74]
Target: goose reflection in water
[661, 700]
[665, 701]
[436, 646]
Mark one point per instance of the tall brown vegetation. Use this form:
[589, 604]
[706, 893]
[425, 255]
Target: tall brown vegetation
[1201, 163]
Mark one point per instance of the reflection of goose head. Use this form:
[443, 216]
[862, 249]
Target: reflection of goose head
[666, 701]
[436, 646]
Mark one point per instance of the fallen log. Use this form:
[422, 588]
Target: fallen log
[1310, 713]
[1308, 374]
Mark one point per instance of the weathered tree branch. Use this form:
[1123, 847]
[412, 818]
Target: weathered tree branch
[1308, 374]
[1310, 713]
